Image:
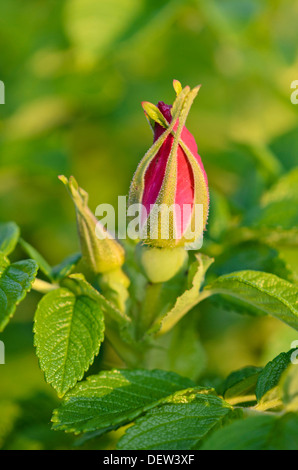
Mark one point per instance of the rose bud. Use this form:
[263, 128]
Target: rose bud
[101, 252]
[170, 182]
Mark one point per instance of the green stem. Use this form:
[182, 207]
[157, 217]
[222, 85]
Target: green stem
[149, 309]
[43, 287]
[131, 355]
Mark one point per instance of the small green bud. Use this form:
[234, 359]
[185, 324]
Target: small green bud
[101, 254]
[161, 264]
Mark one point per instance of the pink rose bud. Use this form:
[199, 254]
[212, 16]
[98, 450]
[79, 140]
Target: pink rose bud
[171, 175]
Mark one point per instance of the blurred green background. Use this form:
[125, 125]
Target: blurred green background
[75, 73]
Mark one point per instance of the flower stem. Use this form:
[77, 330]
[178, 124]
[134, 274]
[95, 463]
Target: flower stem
[42, 286]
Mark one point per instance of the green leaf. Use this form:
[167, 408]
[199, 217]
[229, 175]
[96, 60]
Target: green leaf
[63, 269]
[69, 329]
[79, 286]
[239, 387]
[179, 425]
[188, 299]
[33, 253]
[257, 433]
[9, 235]
[114, 398]
[271, 374]
[15, 281]
[258, 292]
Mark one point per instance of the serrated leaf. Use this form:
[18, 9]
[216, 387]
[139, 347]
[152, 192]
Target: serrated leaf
[34, 254]
[114, 398]
[79, 286]
[69, 329]
[259, 292]
[60, 271]
[180, 425]
[256, 433]
[188, 299]
[271, 374]
[9, 235]
[15, 281]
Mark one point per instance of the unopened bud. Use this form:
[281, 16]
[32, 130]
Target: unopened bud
[104, 253]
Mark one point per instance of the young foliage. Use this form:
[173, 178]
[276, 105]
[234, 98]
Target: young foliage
[259, 293]
[271, 374]
[15, 281]
[114, 398]
[62, 270]
[69, 328]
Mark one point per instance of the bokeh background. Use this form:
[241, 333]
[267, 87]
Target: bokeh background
[75, 73]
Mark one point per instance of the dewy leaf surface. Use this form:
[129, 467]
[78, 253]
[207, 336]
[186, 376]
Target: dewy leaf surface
[176, 426]
[116, 397]
[15, 281]
[259, 292]
[69, 329]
